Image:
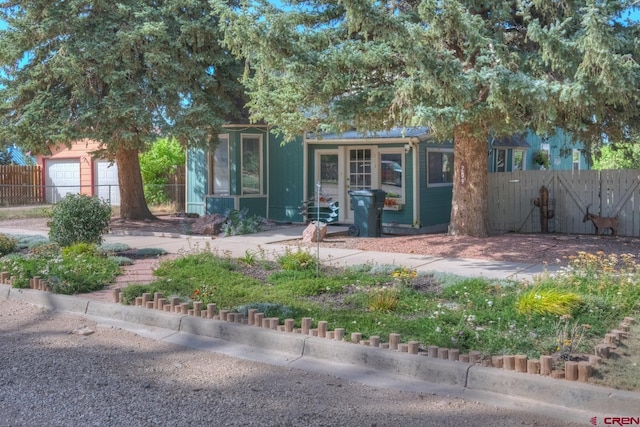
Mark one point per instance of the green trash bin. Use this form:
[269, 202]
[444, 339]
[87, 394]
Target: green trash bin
[367, 212]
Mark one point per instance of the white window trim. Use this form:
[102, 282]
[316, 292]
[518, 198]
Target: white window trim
[573, 162]
[513, 159]
[212, 172]
[316, 167]
[260, 166]
[396, 150]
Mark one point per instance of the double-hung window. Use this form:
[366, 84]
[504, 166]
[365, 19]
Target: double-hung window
[219, 171]
[251, 164]
[391, 172]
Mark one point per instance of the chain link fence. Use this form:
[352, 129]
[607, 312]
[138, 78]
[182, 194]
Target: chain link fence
[28, 195]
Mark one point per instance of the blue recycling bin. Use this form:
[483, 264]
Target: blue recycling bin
[367, 212]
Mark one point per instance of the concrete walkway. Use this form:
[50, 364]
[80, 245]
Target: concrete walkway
[271, 244]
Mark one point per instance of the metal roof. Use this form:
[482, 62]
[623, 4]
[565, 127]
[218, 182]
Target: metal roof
[421, 133]
[513, 141]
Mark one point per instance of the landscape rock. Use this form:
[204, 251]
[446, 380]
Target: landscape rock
[209, 225]
[315, 231]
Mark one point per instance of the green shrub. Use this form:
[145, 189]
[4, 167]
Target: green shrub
[121, 260]
[45, 249]
[548, 302]
[78, 249]
[238, 222]
[77, 269]
[79, 218]
[80, 273]
[7, 244]
[298, 261]
[21, 268]
[113, 248]
[156, 164]
[150, 252]
[25, 241]
[384, 299]
[34, 243]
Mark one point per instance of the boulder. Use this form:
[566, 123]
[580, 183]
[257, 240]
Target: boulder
[315, 231]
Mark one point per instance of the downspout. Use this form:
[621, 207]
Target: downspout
[305, 169]
[268, 186]
[186, 181]
[44, 179]
[416, 181]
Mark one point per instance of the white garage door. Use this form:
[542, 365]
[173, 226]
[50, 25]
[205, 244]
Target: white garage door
[62, 178]
[106, 182]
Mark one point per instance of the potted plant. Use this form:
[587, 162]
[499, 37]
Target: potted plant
[541, 157]
[391, 203]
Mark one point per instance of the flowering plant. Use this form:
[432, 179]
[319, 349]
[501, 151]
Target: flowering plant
[390, 202]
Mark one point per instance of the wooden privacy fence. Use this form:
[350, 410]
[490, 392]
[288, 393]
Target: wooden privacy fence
[21, 185]
[609, 192]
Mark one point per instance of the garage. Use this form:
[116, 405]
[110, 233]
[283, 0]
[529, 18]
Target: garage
[62, 178]
[106, 182]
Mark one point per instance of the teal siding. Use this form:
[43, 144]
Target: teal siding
[436, 206]
[285, 179]
[197, 184]
[435, 202]
[560, 146]
[254, 205]
[219, 205]
[198, 199]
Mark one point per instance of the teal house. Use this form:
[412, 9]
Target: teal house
[251, 169]
[312, 177]
[529, 151]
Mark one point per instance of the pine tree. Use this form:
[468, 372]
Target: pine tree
[467, 69]
[122, 73]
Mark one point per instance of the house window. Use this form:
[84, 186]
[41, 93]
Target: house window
[439, 168]
[251, 164]
[547, 147]
[391, 173]
[500, 160]
[327, 168]
[360, 168]
[518, 160]
[575, 155]
[220, 168]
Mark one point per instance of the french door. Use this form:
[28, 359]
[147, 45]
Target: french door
[341, 170]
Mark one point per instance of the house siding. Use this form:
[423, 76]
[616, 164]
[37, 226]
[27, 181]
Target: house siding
[435, 206]
[197, 180]
[560, 149]
[285, 187]
[80, 152]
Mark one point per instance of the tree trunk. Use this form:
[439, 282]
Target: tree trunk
[132, 203]
[469, 211]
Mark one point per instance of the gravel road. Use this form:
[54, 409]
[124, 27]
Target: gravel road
[51, 374]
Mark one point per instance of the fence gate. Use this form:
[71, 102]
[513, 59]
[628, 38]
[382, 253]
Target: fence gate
[607, 193]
